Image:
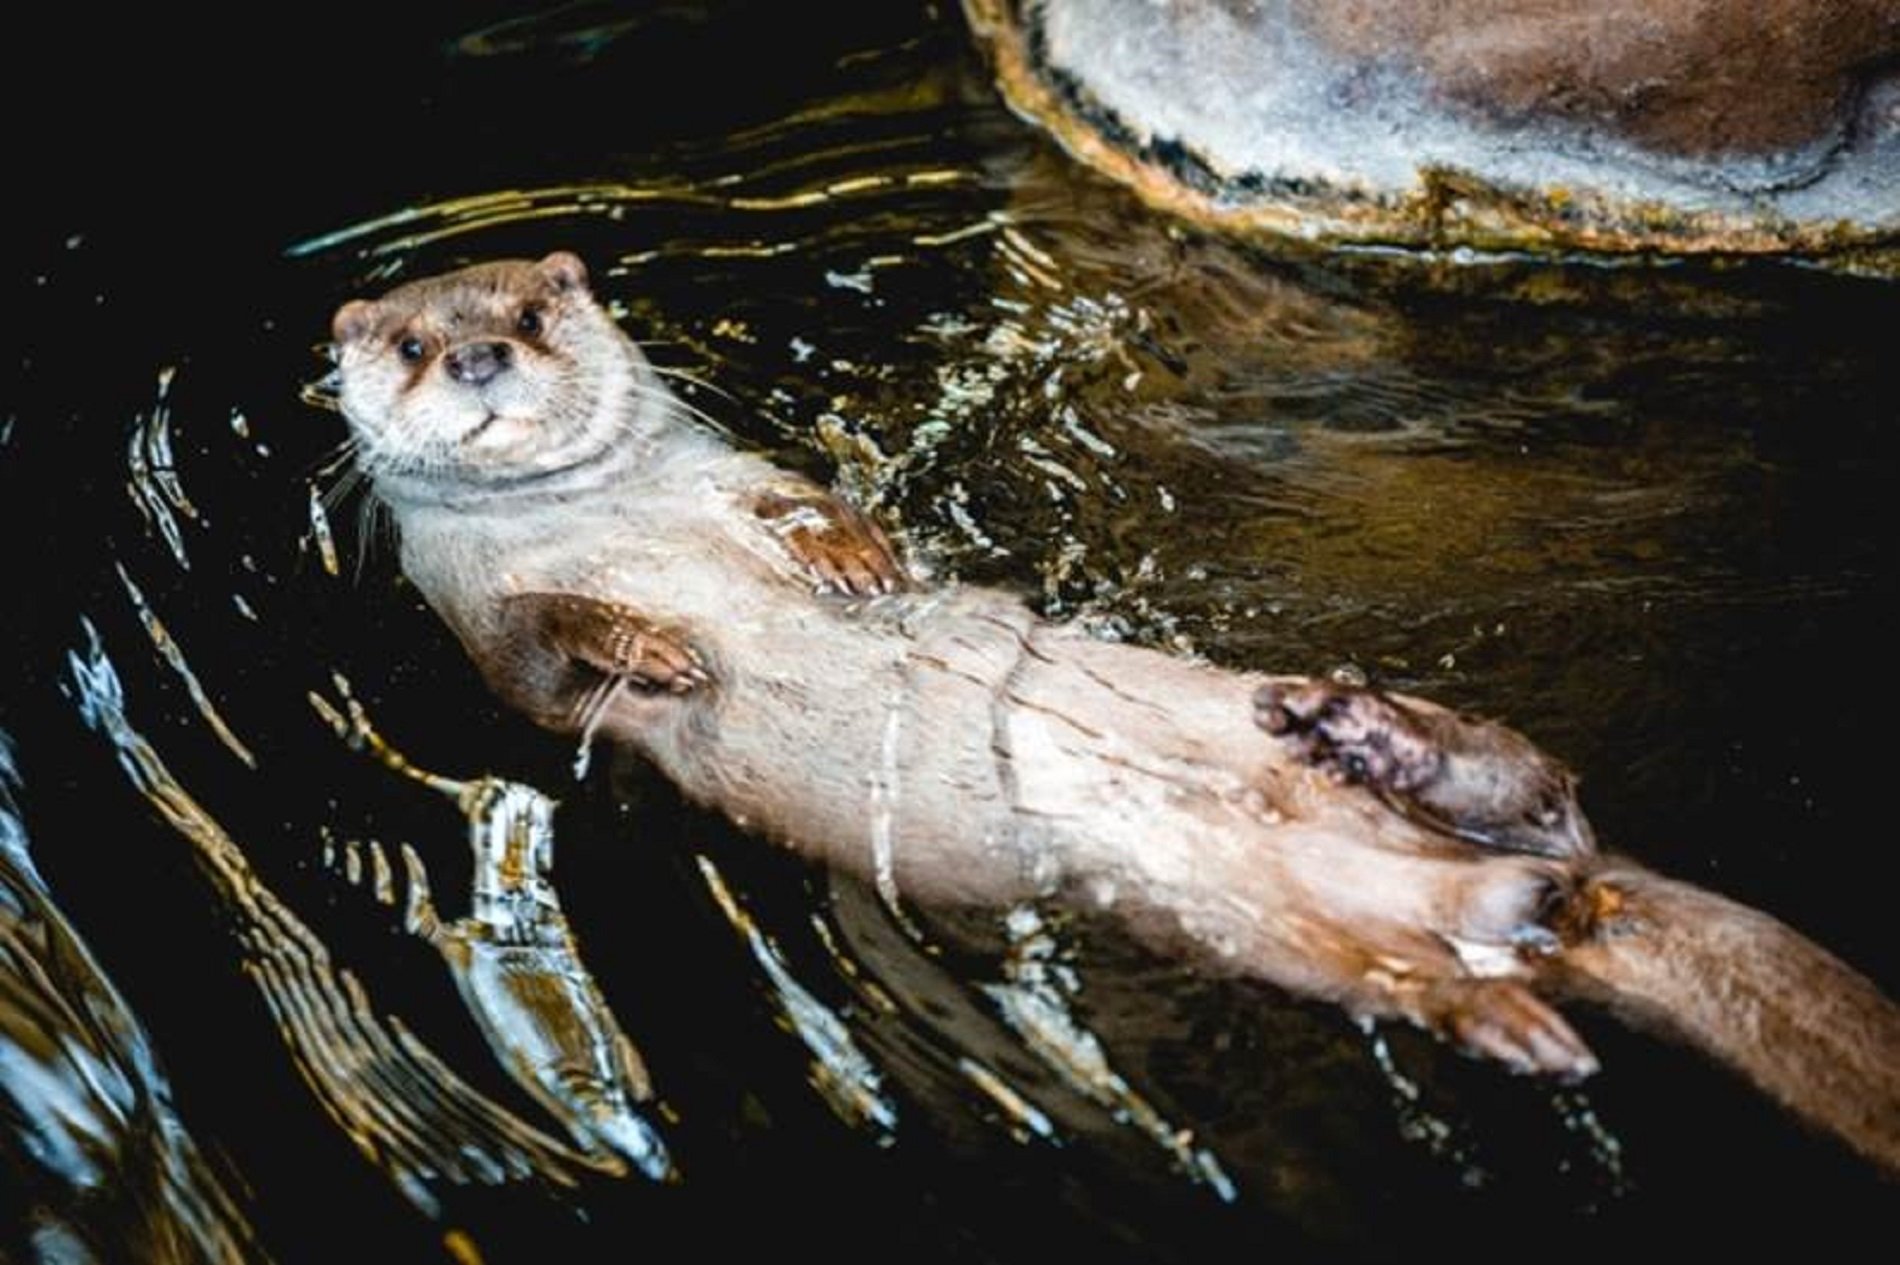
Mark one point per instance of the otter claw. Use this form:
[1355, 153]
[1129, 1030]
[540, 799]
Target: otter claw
[849, 576]
[1503, 1020]
[861, 575]
[609, 638]
[839, 548]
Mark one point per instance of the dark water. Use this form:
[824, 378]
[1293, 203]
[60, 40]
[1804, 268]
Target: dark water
[1636, 514]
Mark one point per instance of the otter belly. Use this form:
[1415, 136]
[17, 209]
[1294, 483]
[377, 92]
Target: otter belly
[951, 747]
[861, 732]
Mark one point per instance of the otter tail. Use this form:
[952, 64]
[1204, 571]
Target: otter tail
[1793, 1018]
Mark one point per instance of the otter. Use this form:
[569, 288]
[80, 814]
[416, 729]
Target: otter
[614, 567]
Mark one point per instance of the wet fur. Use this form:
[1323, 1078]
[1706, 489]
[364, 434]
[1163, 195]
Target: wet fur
[575, 526]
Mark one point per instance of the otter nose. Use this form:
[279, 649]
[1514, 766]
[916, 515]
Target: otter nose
[476, 363]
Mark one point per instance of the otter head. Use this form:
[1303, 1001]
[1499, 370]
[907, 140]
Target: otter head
[493, 375]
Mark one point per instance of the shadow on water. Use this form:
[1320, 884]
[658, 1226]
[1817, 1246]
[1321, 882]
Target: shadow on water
[1636, 513]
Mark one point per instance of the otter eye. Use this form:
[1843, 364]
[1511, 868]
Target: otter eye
[529, 322]
[410, 349]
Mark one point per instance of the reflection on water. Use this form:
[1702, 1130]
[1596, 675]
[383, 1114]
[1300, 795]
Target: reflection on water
[98, 1165]
[1636, 514]
[393, 1097]
[849, 1081]
[515, 959]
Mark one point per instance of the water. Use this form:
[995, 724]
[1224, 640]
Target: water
[1635, 513]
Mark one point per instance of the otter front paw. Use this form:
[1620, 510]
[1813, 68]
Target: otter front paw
[1453, 774]
[840, 549]
[614, 640]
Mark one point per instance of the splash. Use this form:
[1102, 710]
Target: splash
[840, 1072]
[321, 537]
[1033, 999]
[153, 484]
[516, 961]
[106, 1169]
[397, 1102]
[169, 650]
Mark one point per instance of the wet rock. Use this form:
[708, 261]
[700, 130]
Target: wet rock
[1612, 126]
[1702, 78]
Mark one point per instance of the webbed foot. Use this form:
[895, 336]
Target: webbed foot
[1453, 774]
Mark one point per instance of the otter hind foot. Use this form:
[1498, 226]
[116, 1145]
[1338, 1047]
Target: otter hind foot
[1357, 736]
[1503, 1020]
[1452, 774]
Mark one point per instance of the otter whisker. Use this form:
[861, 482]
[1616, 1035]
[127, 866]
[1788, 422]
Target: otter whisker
[375, 525]
[339, 493]
[667, 371]
[341, 457]
[666, 399]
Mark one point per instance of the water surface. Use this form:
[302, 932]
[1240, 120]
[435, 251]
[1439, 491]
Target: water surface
[1635, 513]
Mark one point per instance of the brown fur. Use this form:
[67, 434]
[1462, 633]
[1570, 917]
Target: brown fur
[606, 561]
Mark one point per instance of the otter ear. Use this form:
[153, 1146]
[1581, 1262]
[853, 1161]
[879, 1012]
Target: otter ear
[565, 270]
[353, 320]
